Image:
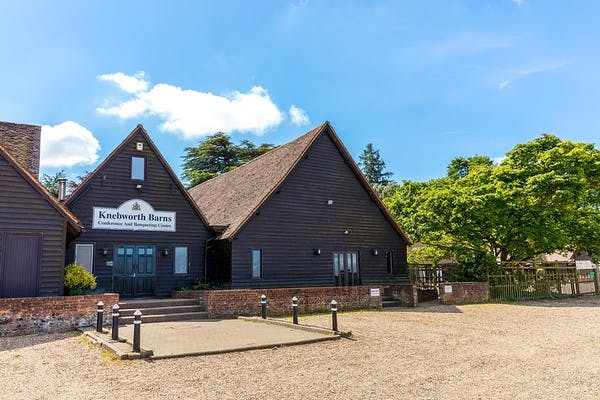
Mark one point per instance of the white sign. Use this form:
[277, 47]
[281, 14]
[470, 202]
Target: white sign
[133, 215]
[375, 292]
[447, 289]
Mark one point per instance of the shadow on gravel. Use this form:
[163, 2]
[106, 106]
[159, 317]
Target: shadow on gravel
[17, 342]
[429, 307]
[586, 301]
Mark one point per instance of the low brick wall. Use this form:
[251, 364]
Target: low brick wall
[230, 303]
[406, 294]
[464, 292]
[28, 315]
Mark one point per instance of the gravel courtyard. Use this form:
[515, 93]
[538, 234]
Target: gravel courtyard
[499, 351]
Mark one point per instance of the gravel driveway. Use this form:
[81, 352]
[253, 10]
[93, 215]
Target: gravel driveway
[499, 351]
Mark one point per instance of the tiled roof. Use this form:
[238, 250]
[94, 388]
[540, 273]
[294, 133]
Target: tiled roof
[230, 199]
[23, 143]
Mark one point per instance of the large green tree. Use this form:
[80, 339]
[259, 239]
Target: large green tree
[541, 198]
[373, 166]
[216, 155]
[51, 181]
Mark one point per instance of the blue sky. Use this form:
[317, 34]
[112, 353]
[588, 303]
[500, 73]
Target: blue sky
[423, 81]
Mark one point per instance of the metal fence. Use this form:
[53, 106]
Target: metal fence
[530, 281]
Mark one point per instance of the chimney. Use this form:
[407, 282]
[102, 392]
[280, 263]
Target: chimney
[62, 189]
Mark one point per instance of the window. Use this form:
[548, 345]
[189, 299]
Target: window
[256, 264]
[84, 255]
[137, 168]
[181, 260]
[390, 262]
[345, 269]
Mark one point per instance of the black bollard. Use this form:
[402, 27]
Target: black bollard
[115, 322]
[137, 325]
[263, 306]
[100, 317]
[334, 326]
[295, 310]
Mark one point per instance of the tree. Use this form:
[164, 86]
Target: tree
[216, 155]
[51, 181]
[459, 167]
[74, 184]
[373, 166]
[542, 198]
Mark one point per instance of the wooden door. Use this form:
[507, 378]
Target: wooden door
[133, 271]
[345, 269]
[19, 272]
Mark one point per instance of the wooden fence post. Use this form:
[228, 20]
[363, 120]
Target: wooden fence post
[596, 282]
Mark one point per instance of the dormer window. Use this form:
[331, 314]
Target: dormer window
[138, 168]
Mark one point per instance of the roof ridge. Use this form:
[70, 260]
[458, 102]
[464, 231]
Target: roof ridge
[237, 194]
[262, 156]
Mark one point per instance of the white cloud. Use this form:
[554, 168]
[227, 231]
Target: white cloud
[503, 84]
[194, 114]
[519, 2]
[460, 45]
[299, 116]
[127, 83]
[68, 144]
[498, 160]
[518, 73]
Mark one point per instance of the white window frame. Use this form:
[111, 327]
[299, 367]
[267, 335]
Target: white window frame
[143, 168]
[77, 246]
[187, 260]
[260, 264]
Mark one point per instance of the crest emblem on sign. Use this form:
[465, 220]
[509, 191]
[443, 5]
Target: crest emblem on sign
[136, 207]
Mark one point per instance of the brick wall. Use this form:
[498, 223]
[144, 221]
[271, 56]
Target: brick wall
[23, 142]
[406, 294]
[229, 303]
[27, 315]
[464, 292]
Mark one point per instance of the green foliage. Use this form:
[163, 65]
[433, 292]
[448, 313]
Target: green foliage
[385, 190]
[78, 280]
[199, 286]
[51, 181]
[543, 197]
[373, 166]
[473, 266]
[216, 155]
[460, 166]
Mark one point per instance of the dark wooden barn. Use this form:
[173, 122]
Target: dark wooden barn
[300, 215]
[34, 231]
[143, 234]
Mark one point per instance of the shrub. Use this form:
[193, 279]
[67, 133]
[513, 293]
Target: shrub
[473, 266]
[198, 286]
[78, 280]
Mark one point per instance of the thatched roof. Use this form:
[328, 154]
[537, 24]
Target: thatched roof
[229, 200]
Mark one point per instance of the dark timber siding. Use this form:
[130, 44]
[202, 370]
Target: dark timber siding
[24, 210]
[297, 220]
[111, 186]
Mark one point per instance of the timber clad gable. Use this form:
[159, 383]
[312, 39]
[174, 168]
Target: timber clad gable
[307, 207]
[34, 228]
[150, 253]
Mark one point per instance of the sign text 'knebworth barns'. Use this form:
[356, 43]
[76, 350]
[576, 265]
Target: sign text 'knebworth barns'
[133, 215]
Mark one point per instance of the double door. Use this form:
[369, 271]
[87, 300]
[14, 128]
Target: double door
[133, 270]
[345, 269]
